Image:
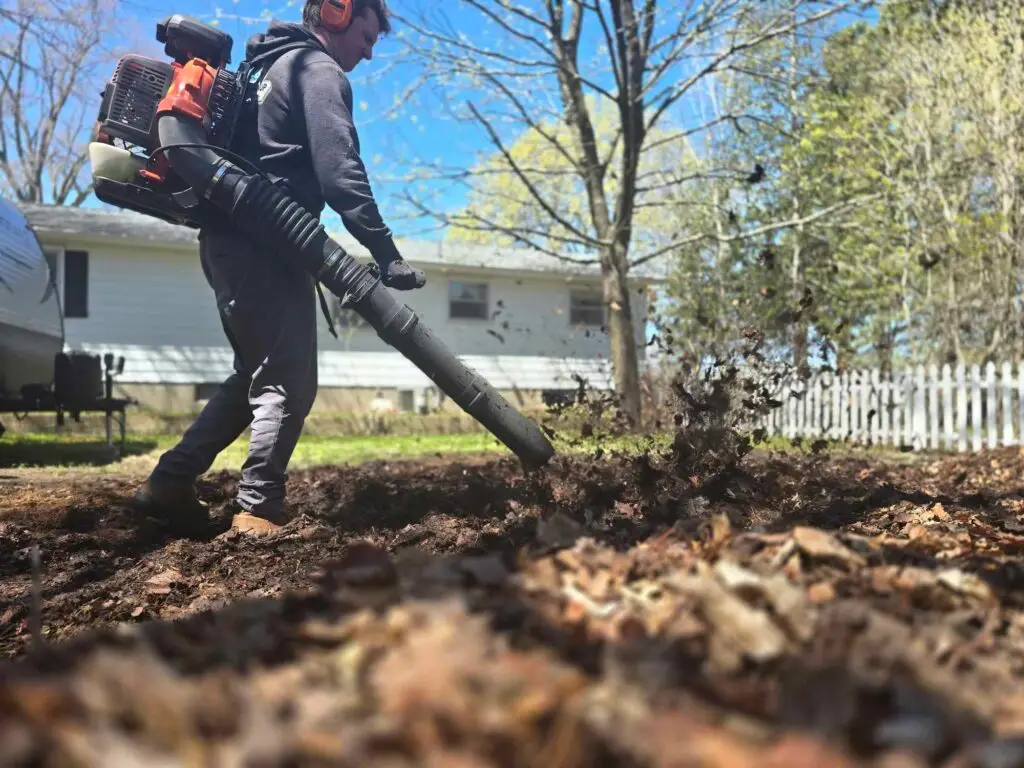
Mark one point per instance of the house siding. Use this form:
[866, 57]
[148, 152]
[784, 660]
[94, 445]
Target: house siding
[151, 304]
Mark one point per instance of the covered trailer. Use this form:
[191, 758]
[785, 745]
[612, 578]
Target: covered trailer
[31, 321]
[36, 372]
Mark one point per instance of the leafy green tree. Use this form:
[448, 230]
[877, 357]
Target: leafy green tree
[892, 154]
[916, 107]
[767, 258]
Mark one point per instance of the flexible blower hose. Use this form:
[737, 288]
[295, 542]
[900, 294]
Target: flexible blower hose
[264, 211]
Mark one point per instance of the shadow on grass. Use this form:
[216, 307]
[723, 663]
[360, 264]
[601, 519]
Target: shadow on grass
[18, 451]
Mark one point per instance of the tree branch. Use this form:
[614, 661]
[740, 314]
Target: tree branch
[515, 233]
[530, 186]
[677, 92]
[754, 232]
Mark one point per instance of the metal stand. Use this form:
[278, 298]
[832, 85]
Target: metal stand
[109, 405]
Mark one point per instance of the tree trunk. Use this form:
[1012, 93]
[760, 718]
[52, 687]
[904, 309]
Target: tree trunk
[625, 364]
[884, 344]
[801, 328]
[801, 352]
[801, 356]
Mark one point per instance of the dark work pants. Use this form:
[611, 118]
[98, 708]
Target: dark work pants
[268, 313]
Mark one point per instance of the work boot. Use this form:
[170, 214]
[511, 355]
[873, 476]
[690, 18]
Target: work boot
[174, 504]
[246, 523]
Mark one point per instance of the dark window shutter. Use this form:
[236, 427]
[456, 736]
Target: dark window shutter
[76, 284]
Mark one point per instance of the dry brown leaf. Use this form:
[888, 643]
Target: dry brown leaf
[915, 532]
[541, 575]
[822, 592]
[720, 529]
[684, 626]
[786, 599]
[160, 584]
[569, 559]
[738, 630]
[797, 751]
[816, 543]
[965, 583]
[912, 578]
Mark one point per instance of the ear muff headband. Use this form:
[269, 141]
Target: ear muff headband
[336, 15]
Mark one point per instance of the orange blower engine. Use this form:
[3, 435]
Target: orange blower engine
[130, 165]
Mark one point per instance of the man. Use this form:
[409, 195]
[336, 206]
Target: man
[302, 135]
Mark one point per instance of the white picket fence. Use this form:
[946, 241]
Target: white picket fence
[950, 408]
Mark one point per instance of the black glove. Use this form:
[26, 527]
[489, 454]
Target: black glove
[395, 271]
[399, 275]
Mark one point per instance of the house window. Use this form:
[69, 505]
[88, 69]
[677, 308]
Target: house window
[586, 308]
[76, 284]
[467, 300]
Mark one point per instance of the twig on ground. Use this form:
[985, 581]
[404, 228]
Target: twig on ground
[36, 616]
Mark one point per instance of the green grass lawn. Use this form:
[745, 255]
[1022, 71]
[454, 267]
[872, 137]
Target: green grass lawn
[87, 452]
[43, 452]
[90, 454]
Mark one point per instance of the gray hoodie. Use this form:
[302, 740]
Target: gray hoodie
[307, 136]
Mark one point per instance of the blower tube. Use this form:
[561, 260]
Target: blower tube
[258, 207]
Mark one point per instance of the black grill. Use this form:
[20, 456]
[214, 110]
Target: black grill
[132, 96]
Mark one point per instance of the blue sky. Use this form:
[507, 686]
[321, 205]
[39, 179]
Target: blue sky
[422, 131]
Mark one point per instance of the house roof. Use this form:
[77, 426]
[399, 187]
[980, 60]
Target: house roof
[121, 224]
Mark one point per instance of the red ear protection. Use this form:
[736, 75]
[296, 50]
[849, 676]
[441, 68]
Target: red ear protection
[336, 14]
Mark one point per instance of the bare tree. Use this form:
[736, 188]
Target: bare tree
[517, 66]
[54, 58]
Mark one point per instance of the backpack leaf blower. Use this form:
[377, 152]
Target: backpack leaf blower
[162, 147]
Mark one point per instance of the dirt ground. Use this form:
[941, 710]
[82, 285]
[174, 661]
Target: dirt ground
[789, 611]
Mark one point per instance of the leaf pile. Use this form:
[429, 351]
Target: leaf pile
[801, 611]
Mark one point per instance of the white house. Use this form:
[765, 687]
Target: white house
[132, 285]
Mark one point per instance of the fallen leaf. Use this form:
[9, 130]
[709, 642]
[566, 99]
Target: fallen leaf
[720, 530]
[798, 751]
[161, 583]
[916, 532]
[822, 592]
[786, 599]
[738, 629]
[965, 583]
[817, 543]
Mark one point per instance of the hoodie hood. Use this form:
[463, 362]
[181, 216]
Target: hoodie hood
[279, 34]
